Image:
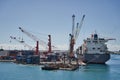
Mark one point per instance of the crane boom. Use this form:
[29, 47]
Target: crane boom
[73, 24]
[33, 37]
[29, 34]
[79, 27]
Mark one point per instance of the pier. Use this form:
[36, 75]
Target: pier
[7, 60]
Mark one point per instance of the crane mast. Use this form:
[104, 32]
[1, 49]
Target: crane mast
[49, 44]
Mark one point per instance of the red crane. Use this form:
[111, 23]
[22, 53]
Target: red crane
[33, 37]
[38, 41]
[49, 44]
[75, 34]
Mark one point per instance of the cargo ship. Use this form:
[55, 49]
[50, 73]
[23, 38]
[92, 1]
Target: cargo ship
[94, 50]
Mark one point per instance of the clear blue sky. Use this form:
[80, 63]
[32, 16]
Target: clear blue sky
[54, 17]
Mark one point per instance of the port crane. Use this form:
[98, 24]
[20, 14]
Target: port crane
[22, 42]
[74, 35]
[38, 41]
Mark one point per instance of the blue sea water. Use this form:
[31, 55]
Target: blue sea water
[109, 71]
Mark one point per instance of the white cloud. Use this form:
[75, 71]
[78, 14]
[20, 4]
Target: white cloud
[62, 47]
[22, 47]
[111, 47]
[13, 47]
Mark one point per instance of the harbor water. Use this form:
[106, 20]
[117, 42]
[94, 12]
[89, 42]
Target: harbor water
[108, 71]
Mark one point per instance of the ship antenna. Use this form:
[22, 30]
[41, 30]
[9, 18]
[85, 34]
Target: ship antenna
[95, 32]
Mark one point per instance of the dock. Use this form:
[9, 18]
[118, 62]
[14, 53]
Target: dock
[7, 60]
[62, 66]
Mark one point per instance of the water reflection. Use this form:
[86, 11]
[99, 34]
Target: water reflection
[95, 71]
[95, 67]
[108, 71]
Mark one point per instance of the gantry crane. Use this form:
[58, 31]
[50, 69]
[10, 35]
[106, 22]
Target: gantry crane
[74, 35]
[22, 42]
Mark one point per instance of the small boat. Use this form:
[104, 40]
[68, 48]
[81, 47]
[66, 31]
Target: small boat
[50, 67]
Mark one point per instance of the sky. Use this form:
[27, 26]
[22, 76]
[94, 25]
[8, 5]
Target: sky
[54, 17]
